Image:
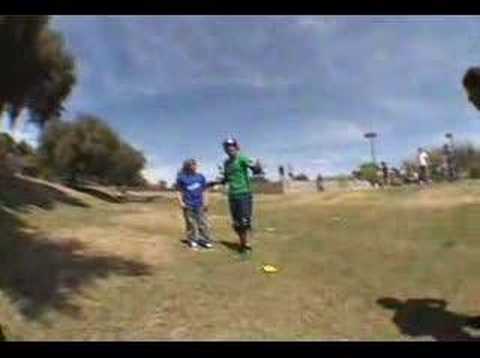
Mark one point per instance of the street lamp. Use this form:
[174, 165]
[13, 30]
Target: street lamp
[371, 138]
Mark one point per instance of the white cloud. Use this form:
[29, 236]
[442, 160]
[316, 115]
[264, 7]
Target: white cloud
[154, 174]
[333, 132]
[158, 170]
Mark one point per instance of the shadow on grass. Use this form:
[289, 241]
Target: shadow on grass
[38, 274]
[429, 317]
[234, 246]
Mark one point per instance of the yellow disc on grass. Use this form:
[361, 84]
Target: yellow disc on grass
[270, 269]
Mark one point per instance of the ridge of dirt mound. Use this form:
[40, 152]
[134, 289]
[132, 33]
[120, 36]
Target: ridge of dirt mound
[19, 190]
[104, 193]
[25, 188]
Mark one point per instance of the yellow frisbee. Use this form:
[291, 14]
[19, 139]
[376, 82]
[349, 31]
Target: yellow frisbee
[270, 269]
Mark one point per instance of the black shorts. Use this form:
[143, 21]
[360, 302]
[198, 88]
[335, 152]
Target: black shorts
[241, 208]
[423, 173]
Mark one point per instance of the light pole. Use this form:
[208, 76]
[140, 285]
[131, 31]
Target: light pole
[371, 138]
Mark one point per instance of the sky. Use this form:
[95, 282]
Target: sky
[299, 90]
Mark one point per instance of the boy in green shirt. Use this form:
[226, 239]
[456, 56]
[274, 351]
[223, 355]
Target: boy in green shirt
[236, 176]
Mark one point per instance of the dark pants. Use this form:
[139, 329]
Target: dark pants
[423, 174]
[241, 208]
[196, 224]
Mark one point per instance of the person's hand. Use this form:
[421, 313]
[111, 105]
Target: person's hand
[257, 167]
[205, 208]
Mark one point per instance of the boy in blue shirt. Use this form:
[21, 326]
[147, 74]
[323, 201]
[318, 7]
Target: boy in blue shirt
[191, 186]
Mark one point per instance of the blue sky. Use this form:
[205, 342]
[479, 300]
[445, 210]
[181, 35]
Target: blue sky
[292, 89]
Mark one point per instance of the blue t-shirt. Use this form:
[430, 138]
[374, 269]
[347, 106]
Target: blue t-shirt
[192, 187]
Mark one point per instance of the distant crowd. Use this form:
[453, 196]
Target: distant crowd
[420, 174]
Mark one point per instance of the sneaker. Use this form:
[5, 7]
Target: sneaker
[205, 243]
[193, 245]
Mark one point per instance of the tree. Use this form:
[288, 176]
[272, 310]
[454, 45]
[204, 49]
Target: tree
[126, 167]
[7, 145]
[301, 177]
[89, 149]
[369, 172]
[25, 149]
[36, 71]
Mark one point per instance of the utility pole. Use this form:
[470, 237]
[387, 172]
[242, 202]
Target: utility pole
[371, 138]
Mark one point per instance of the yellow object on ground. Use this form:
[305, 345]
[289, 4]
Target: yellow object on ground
[270, 269]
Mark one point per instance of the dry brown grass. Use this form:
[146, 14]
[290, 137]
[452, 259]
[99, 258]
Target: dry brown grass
[124, 273]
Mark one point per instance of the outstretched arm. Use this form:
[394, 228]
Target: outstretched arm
[220, 181]
[216, 182]
[255, 167]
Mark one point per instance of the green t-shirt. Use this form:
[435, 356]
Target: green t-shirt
[236, 175]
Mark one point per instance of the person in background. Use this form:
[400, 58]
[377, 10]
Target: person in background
[448, 162]
[423, 164]
[320, 186]
[385, 173]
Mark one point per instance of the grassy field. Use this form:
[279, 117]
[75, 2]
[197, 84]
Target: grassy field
[398, 264]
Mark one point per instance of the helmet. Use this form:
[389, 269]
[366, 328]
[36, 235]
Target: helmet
[230, 142]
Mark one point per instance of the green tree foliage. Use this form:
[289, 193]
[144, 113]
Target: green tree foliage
[16, 155]
[437, 171]
[467, 156]
[88, 149]
[368, 171]
[25, 149]
[36, 71]
[7, 145]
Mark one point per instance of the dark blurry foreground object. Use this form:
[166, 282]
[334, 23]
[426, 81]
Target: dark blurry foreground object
[2, 335]
[37, 72]
[471, 83]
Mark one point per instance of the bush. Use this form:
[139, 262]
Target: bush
[301, 177]
[368, 172]
[474, 173]
[88, 149]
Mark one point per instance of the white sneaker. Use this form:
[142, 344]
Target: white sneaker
[205, 243]
[193, 245]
